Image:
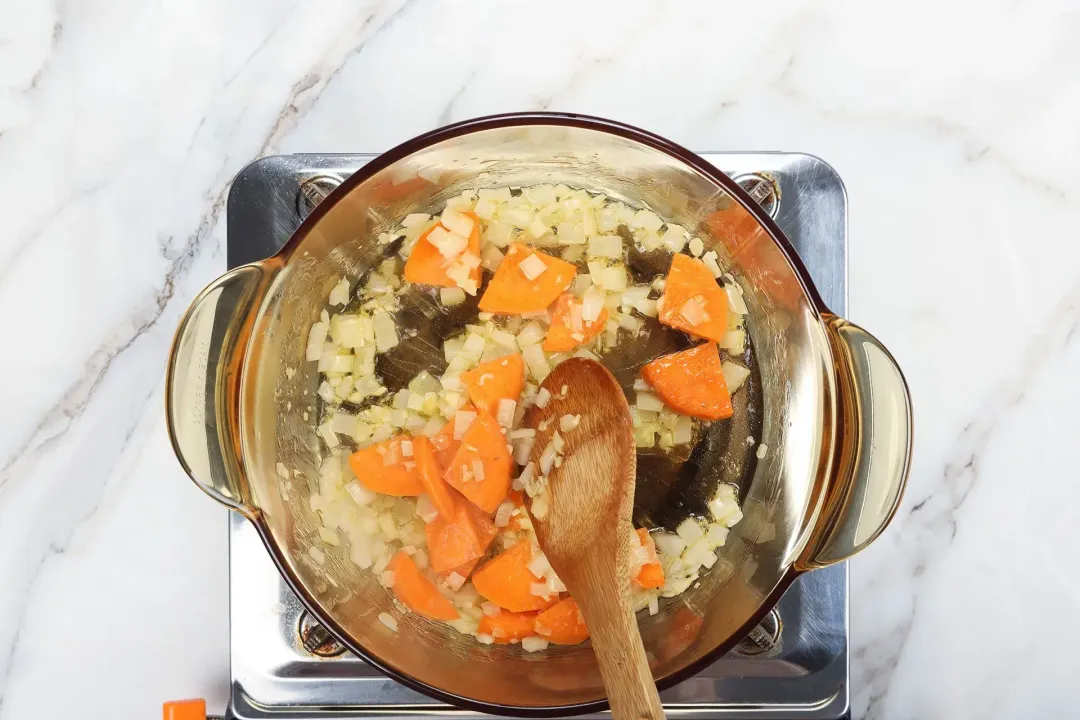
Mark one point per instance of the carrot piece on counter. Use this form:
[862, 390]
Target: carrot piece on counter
[427, 266]
[499, 379]
[651, 574]
[692, 300]
[480, 469]
[508, 627]
[417, 592]
[507, 581]
[562, 624]
[567, 329]
[383, 469]
[511, 292]
[691, 382]
[456, 539]
[445, 444]
[441, 494]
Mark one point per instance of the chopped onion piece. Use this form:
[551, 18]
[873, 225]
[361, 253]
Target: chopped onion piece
[455, 581]
[648, 401]
[654, 604]
[462, 420]
[569, 422]
[697, 247]
[522, 451]
[669, 544]
[710, 260]
[450, 296]
[505, 413]
[537, 361]
[690, 530]
[734, 375]
[316, 338]
[415, 219]
[693, 311]
[592, 304]
[339, 295]
[388, 620]
[532, 267]
[736, 303]
[534, 643]
[762, 451]
[542, 398]
[547, 458]
[605, 246]
[457, 222]
[491, 257]
[386, 336]
[503, 513]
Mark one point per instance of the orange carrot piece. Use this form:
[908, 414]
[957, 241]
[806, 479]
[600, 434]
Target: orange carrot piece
[500, 379]
[417, 592]
[511, 292]
[483, 446]
[651, 574]
[427, 266]
[562, 624]
[567, 329]
[464, 570]
[382, 469]
[508, 627]
[441, 494]
[691, 382]
[692, 300]
[445, 444]
[507, 581]
[453, 540]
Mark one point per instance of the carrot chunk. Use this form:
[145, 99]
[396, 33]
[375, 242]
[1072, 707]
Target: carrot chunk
[417, 592]
[562, 624]
[691, 382]
[508, 627]
[480, 469]
[651, 574]
[500, 379]
[427, 265]
[459, 540]
[383, 469]
[567, 329]
[692, 300]
[431, 476]
[507, 581]
[512, 292]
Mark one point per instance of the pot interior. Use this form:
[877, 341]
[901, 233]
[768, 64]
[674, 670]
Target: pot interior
[786, 404]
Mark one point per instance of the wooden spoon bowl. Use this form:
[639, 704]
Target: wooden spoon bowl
[585, 530]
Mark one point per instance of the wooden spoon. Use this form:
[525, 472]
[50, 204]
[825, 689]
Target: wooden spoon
[585, 529]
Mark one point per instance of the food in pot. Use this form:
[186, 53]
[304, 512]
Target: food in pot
[429, 361]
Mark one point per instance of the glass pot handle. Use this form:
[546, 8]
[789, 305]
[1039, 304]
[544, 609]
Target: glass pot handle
[872, 454]
[202, 384]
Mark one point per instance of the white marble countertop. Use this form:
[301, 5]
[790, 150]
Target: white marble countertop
[955, 128]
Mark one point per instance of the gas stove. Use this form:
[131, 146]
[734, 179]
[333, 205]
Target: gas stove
[285, 666]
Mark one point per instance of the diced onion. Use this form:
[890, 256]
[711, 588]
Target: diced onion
[537, 361]
[605, 246]
[534, 643]
[450, 296]
[736, 303]
[340, 294]
[734, 375]
[669, 544]
[504, 415]
[543, 397]
[710, 260]
[648, 401]
[697, 247]
[592, 304]
[457, 222]
[490, 609]
[388, 620]
[462, 420]
[532, 267]
[316, 338]
[654, 605]
[547, 458]
[385, 331]
[690, 530]
[455, 581]
[569, 422]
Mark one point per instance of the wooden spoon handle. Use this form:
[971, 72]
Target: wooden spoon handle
[616, 641]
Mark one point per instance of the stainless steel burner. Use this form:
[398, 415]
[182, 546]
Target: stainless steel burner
[795, 665]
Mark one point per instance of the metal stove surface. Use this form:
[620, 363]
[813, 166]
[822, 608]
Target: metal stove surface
[795, 665]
